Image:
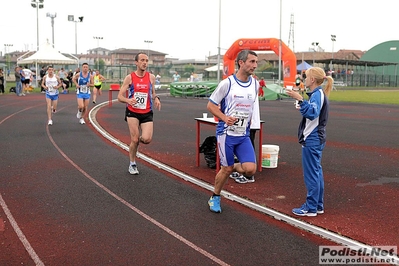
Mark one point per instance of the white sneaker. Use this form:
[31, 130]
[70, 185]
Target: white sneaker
[133, 169]
[79, 115]
[235, 175]
[50, 122]
[82, 121]
[243, 180]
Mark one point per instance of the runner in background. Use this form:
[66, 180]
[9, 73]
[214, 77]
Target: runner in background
[98, 83]
[83, 80]
[51, 83]
[262, 84]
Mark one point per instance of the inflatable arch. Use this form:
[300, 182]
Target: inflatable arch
[288, 58]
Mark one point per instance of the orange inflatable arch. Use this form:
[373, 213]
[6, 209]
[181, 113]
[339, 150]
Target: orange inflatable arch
[288, 57]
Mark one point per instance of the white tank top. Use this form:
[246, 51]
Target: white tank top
[51, 83]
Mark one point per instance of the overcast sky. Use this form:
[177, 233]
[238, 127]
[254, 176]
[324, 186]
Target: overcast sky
[188, 29]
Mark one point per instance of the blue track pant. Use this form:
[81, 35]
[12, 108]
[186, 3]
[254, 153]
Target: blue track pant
[313, 175]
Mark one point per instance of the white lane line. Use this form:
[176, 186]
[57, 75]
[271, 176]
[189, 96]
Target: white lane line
[20, 111]
[10, 217]
[138, 211]
[20, 234]
[342, 240]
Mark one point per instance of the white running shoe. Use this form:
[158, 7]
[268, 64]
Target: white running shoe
[235, 175]
[133, 169]
[50, 122]
[79, 115]
[82, 121]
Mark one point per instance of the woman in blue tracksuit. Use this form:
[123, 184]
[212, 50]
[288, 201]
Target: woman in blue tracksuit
[312, 137]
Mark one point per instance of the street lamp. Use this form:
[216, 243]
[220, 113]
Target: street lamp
[8, 60]
[72, 19]
[148, 42]
[52, 16]
[314, 44]
[333, 39]
[220, 19]
[98, 46]
[6, 48]
[37, 4]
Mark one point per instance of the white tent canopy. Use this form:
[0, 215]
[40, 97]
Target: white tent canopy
[214, 68]
[47, 55]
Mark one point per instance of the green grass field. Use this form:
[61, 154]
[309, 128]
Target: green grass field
[388, 96]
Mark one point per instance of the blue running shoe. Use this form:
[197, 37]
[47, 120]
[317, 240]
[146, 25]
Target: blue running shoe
[303, 211]
[320, 210]
[214, 204]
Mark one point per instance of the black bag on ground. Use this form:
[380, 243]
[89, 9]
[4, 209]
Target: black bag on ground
[208, 148]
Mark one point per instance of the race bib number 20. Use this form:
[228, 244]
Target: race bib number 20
[141, 99]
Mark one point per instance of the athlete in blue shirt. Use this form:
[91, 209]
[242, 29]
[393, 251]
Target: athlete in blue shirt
[83, 80]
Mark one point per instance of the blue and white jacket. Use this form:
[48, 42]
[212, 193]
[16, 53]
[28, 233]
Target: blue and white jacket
[312, 129]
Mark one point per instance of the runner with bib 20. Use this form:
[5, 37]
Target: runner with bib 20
[141, 99]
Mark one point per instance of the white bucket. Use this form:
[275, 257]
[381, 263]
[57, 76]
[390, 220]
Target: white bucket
[270, 156]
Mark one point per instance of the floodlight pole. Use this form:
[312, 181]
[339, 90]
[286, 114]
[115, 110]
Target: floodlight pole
[314, 44]
[280, 47]
[333, 39]
[98, 46]
[220, 18]
[37, 4]
[52, 16]
[71, 18]
[148, 48]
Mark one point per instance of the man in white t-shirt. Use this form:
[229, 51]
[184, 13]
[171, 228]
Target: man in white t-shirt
[27, 73]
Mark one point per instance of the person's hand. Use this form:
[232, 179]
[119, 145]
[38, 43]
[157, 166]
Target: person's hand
[131, 101]
[157, 103]
[230, 120]
[293, 94]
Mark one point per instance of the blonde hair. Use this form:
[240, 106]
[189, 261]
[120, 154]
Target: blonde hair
[319, 75]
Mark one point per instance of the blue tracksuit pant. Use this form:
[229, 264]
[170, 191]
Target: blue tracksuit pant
[313, 175]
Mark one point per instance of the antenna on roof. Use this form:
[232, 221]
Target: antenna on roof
[291, 34]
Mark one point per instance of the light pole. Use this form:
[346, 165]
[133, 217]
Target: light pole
[314, 44]
[37, 4]
[333, 39]
[148, 42]
[98, 46]
[52, 16]
[220, 20]
[72, 19]
[6, 48]
[8, 61]
[280, 46]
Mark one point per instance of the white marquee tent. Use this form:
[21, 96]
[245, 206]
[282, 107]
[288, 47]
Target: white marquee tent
[214, 68]
[47, 55]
